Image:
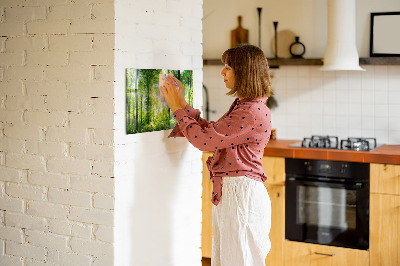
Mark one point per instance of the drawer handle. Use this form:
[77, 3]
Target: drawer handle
[324, 254]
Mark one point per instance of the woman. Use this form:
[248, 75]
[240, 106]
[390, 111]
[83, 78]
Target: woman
[242, 208]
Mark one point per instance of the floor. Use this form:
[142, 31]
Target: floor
[206, 261]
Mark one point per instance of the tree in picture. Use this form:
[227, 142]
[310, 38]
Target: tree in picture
[145, 111]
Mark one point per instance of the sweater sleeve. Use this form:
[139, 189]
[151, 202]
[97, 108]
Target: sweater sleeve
[229, 131]
[193, 113]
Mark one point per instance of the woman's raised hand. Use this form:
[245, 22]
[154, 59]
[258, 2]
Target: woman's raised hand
[173, 93]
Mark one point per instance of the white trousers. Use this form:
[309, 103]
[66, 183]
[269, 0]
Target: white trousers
[241, 223]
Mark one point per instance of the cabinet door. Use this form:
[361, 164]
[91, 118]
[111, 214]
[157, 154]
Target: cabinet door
[206, 226]
[277, 233]
[304, 254]
[384, 229]
[385, 178]
[274, 168]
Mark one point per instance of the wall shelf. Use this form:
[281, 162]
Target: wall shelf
[274, 63]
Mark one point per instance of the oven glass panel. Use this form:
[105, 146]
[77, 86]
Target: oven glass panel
[326, 207]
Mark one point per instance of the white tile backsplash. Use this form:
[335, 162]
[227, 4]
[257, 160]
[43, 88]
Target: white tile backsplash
[343, 103]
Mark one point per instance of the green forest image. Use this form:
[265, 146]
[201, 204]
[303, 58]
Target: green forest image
[146, 110]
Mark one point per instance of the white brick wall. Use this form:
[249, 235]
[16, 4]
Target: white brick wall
[56, 132]
[153, 174]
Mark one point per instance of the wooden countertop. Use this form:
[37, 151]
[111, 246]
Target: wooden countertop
[389, 154]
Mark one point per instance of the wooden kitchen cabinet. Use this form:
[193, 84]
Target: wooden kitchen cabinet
[384, 237]
[206, 225]
[274, 168]
[385, 178]
[305, 254]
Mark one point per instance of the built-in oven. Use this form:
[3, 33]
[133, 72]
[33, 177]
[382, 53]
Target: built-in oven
[327, 202]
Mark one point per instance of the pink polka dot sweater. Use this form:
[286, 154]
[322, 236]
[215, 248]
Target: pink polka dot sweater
[238, 139]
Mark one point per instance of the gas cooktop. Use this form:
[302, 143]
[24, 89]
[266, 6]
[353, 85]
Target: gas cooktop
[332, 142]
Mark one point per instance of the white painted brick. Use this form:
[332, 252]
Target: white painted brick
[46, 209]
[132, 43]
[81, 73]
[103, 168]
[11, 116]
[12, 204]
[69, 197]
[48, 179]
[98, 120]
[101, 136]
[46, 27]
[93, 184]
[103, 202]
[56, 103]
[70, 166]
[97, 57]
[25, 191]
[47, 58]
[46, 118]
[12, 29]
[68, 258]
[3, 44]
[46, 2]
[105, 233]
[11, 260]
[2, 158]
[95, 216]
[11, 88]
[25, 250]
[2, 191]
[103, 11]
[25, 221]
[24, 13]
[12, 145]
[105, 260]
[46, 240]
[103, 41]
[64, 134]
[91, 89]
[71, 42]
[193, 49]
[21, 43]
[69, 12]
[24, 132]
[91, 26]
[97, 105]
[12, 234]
[11, 59]
[82, 230]
[60, 227]
[24, 73]
[25, 161]
[32, 262]
[91, 247]
[92, 151]
[46, 148]
[25, 103]
[104, 73]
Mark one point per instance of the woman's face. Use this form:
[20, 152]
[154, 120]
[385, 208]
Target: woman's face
[229, 76]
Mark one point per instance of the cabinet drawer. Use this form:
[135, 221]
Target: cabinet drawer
[305, 254]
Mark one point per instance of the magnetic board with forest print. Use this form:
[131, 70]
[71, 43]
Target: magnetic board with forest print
[146, 110]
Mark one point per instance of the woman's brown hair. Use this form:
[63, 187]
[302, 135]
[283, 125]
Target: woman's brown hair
[250, 66]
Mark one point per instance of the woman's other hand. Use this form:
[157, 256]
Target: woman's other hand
[173, 91]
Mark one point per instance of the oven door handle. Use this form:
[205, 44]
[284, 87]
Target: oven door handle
[357, 185]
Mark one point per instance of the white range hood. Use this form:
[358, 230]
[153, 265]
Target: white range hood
[341, 51]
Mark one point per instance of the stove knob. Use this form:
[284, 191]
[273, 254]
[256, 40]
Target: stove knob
[343, 168]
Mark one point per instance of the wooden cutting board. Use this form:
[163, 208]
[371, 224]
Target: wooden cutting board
[239, 35]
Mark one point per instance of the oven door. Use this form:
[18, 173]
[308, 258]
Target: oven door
[327, 213]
